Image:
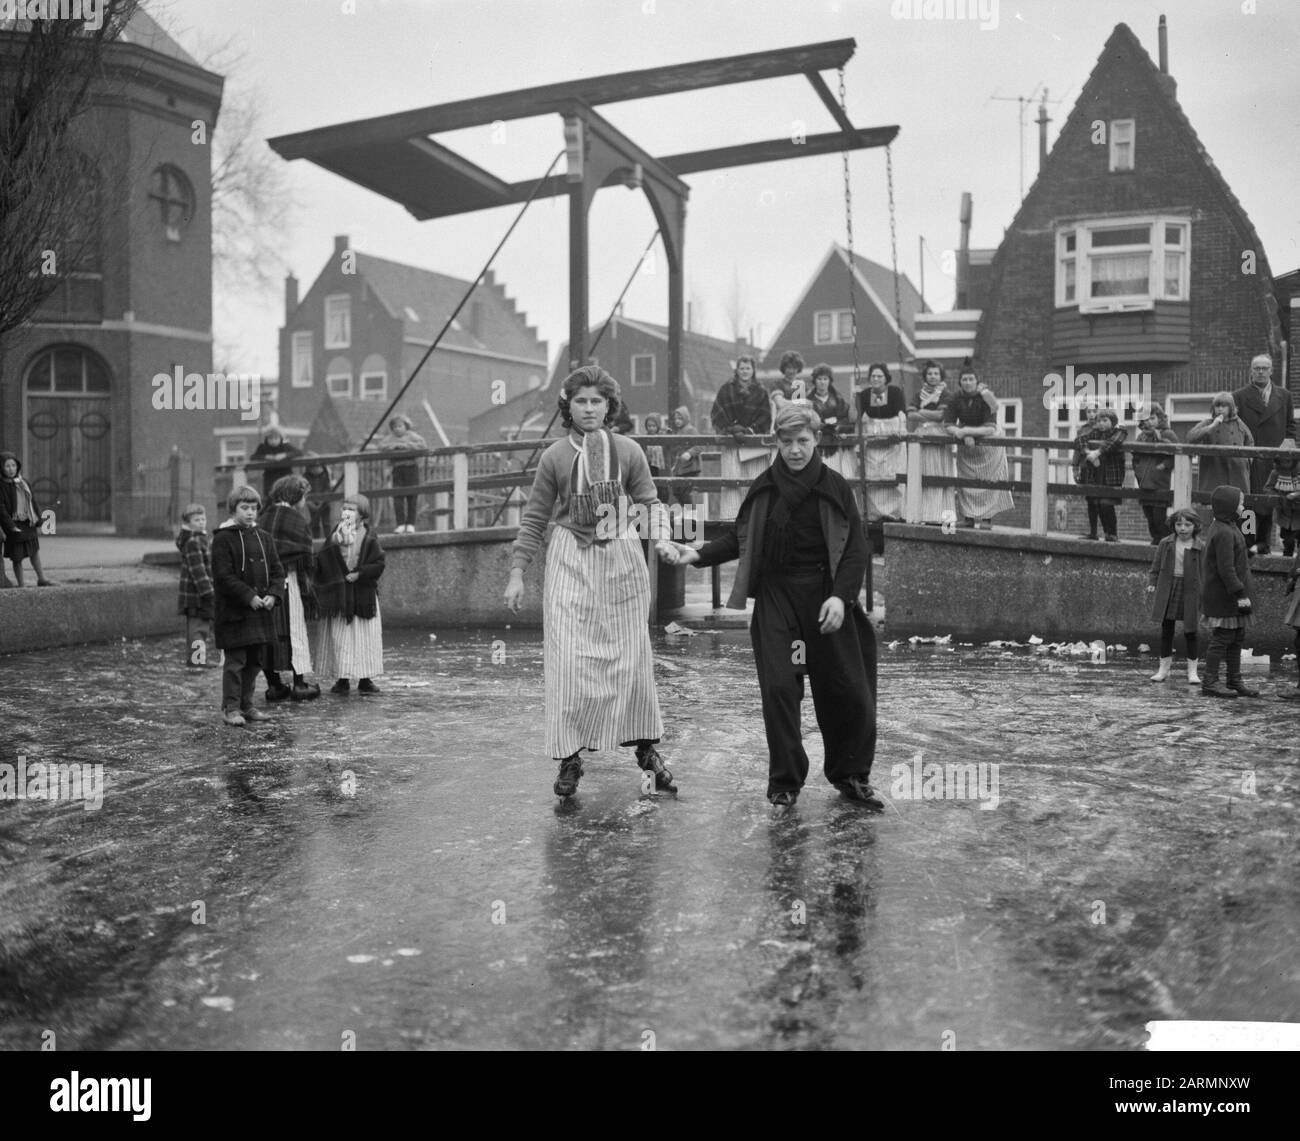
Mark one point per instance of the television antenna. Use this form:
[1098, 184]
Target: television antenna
[1024, 101]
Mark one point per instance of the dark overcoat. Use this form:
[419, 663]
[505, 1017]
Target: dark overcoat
[1162, 578]
[244, 566]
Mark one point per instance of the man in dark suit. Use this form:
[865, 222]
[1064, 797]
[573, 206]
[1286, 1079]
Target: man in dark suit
[1265, 408]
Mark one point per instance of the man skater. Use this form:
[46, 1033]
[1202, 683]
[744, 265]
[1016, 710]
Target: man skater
[803, 555]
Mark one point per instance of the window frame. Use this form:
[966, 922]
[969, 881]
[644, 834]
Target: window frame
[226, 442]
[1158, 249]
[329, 340]
[382, 394]
[634, 383]
[833, 316]
[1116, 142]
[332, 374]
[296, 354]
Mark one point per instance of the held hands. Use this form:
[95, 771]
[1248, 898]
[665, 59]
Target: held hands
[1243, 605]
[831, 615]
[676, 554]
[352, 576]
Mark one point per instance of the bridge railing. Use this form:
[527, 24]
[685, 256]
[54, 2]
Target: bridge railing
[481, 485]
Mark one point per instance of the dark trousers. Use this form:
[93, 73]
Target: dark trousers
[239, 676]
[840, 667]
[198, 631]
[1157, 524]
[1225, 646]
[1167, 639]
[1288, 540]
[408, 475]
[320, 520]
[1103, 510]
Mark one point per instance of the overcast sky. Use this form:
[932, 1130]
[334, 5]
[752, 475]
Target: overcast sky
[769, 225]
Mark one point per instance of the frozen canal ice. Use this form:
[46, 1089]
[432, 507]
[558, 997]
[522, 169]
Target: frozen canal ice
[397, 869]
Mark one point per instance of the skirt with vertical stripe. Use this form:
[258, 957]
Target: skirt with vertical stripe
[599, 668]
[350, 649]
[982, 462]
[936, 502]
[885, 463]
[297, 626]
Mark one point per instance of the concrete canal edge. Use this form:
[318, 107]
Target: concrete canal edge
[985, 585]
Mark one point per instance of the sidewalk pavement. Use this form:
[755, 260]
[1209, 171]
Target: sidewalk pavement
[73, 560]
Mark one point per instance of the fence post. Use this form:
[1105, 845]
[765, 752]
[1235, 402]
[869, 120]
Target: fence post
[912, 494]
[731, 497]
[351, 479]
[1038, 491]
[238, 478]
[460, 491]
[1180, 483]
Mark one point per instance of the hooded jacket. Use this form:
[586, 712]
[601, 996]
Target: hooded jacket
[1225, 572]
[244, 566]
[846, 544]
[9, 502]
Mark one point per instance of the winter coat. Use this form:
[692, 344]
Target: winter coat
[1218, 471]
[12, 529]
[742, 407]
[196, 589]
[1162, 578]
[1269, 424]
[1225, 571]
[1282, 481]
[338, 598]
[280, 451]
[1110, 472]
[244, 566]
[1154, 472]
[408, 442]
[846, 544]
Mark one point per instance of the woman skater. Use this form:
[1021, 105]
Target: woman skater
[20, 519]
[350, 638]
[599, 671]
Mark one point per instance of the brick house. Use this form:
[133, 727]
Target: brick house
[76, 402]
[365, 323]
[635, 353]
[1129, 259]
[819, 327]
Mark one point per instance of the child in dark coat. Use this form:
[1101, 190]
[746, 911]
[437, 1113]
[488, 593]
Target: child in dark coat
[1225, 593]
[803, 555]
[249, 582]
[350, 635]
[283, 521]
[1099, 460]
[1176, 585]
[196, 593]
[1284, 482]
[20, 519]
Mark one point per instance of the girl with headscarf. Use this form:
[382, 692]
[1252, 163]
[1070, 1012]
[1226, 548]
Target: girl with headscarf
[598, 665]
[350, 636]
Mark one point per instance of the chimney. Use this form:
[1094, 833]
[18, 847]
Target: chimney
[290, 296]
[963, 254]
[1043, 120]
[1166, 80]
[341, 244]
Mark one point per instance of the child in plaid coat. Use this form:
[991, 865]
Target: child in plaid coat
[196, 593]
[1099, 460]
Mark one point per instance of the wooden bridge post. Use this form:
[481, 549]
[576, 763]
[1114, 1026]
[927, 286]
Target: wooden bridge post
[912, 494]
[1038, 463]
[1180, 483]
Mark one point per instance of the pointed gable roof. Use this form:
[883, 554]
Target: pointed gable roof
[423, 300]
[1124, 59]
[144, 31]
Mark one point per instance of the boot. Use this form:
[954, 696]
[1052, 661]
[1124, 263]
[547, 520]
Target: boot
[1210, 686]
[1163, 671]
[1193, 678]
[1235, 681]
[648, 758]
[566, 783]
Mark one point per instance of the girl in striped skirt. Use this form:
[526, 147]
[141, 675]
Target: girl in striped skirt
[599, 670]
[350, 638]
[283, 521]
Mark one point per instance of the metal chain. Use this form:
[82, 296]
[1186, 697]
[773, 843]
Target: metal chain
[893, 249]
[848, 225]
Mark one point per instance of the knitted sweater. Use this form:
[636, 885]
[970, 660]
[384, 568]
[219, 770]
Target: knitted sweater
[549, 500]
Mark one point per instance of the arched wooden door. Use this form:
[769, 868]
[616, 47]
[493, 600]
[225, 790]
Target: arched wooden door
[68, 453]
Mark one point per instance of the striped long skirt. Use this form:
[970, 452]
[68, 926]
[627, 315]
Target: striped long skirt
[885, 463]
[981, 462]
[936, 502]
[298, 639]
[350, 649]
[599, 668]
